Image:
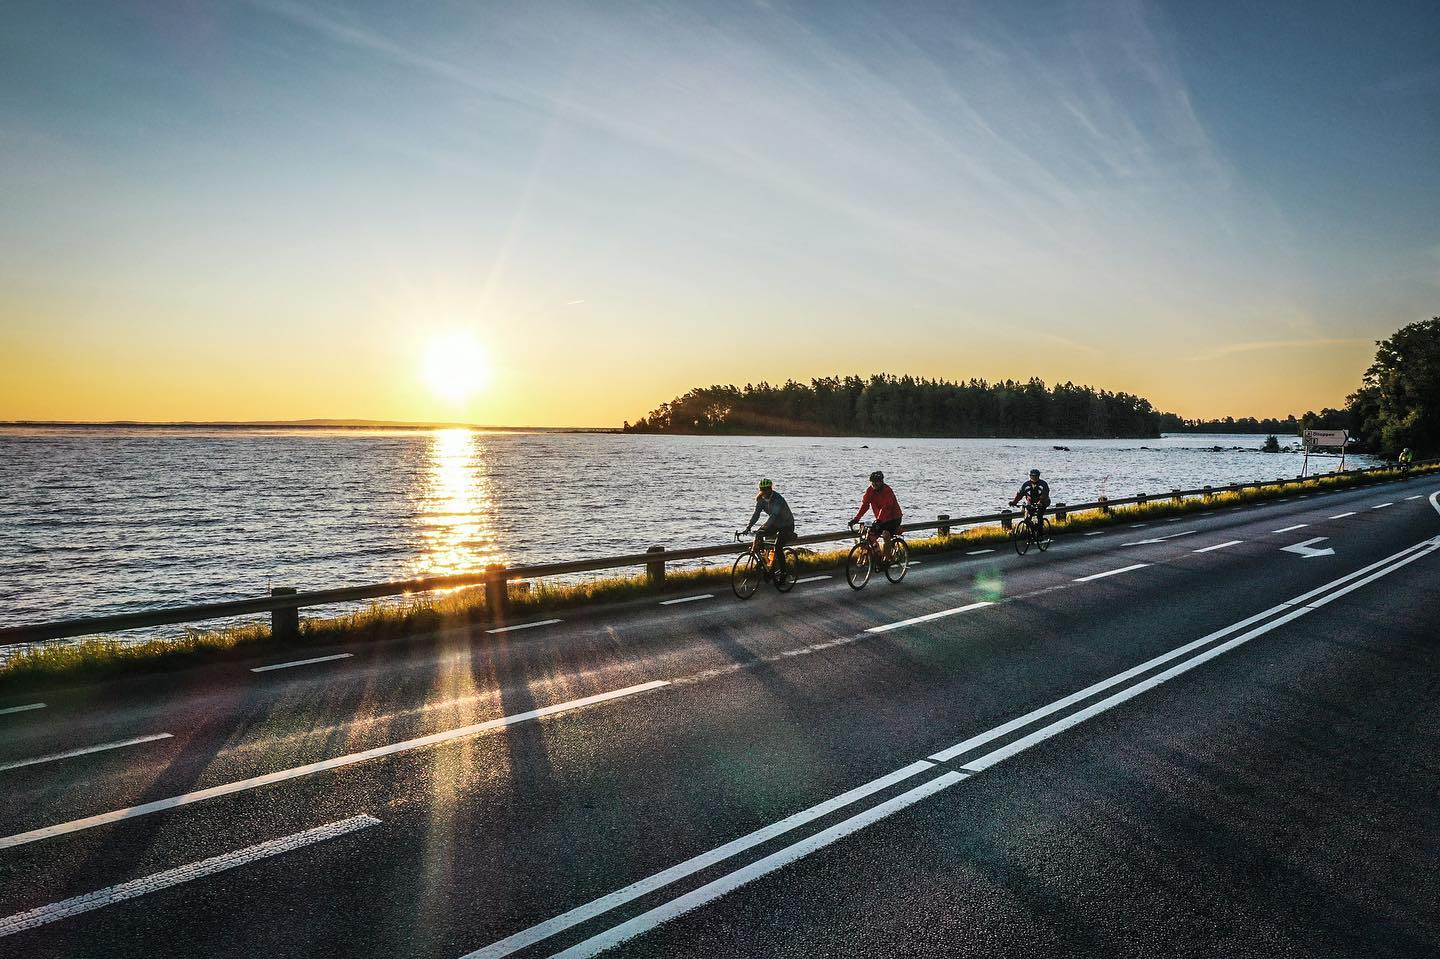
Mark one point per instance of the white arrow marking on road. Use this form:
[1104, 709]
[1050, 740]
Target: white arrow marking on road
[1159, 539]
[1306, 550]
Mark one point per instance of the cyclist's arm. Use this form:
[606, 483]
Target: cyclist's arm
[753, 516]
[865, 503]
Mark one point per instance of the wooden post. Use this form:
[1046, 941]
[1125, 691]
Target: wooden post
[944, 527]
[655, 572]
[1175, 494]
[284, 622]
[1103, 500]
[1208, 493]
[1005, 522]
[1141, 499]
[1060, 512]
[497, 592]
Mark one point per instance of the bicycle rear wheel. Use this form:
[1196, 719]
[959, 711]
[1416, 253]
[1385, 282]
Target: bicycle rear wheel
[745, 575]
[858, 565]
[1042, 535]
[899, 560]
[786, 581]
[1020, 536]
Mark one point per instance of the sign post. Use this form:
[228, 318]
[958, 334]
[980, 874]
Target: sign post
[1323, 439]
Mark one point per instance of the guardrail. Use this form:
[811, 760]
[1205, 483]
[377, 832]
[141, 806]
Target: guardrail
[284, 604]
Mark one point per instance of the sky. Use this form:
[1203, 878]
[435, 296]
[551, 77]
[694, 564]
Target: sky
[283, 210]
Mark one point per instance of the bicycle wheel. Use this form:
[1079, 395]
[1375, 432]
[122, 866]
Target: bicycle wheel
[858, 565]
[786, 582]
[1042, 535]
[899, 560]
[745, 575]
[1020, 536]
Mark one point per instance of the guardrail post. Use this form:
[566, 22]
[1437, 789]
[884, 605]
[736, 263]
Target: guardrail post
[1104, 502]
[1140, 499]
[1208, 494]
[944, 528]
[1005, 522]
[655, 572]
[1175, 494]
[1060, 512]
[497, 592]
[284, 622]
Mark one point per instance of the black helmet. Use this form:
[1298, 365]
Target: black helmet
[877, 477]
[1035, 474]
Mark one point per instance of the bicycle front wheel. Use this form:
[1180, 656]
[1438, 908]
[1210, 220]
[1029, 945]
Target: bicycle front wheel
[1020, 536]
[745, 575]
[899, 561]
[858, 566]
[786, 581]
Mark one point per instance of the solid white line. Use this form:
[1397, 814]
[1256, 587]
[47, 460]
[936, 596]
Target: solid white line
[33, 918]
[21, 709]
[1382, 505]
[977, 552]
[1113, 572]
[83, 752]
[719, 887]
[511, 629]
[1025, 742]
[300, 662]
[1233, 542]
[548, 928]
[813, 579]
[185, 799]
[927, 617]
[686, 599]
[1342, 515]
[1291, 528]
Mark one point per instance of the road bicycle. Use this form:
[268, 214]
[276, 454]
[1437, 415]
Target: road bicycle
[1031, 529]
[866, 555]
[753, 567]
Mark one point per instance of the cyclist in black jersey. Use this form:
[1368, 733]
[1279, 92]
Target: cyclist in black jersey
[1036, 494]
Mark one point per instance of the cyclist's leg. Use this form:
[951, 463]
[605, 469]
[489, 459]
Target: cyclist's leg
[781, 538]
[758, 547]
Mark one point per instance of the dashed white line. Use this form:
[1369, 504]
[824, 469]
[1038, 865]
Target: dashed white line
[1416, 496]
[1138, 525]
[814, 579]
[300, 662]
[42, 915]
[511, 629]
[1207, 549]
[1342, 515]
[1095, 533]
[1113, 572]
[185, 799]
[68, 754]
[1382, 505]
[927, 617]
[21, 709]
[977, 552]
[1292, 528]
[686, 599]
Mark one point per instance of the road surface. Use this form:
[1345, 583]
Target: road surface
[1214, 735]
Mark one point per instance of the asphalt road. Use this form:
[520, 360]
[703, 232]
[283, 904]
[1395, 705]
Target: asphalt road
[1180, 739]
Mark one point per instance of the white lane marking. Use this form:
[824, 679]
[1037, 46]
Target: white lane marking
[1138, 525]
[34, 918]
[686, 599]
[185, 799]
[1175, 519]
[913, 562]
[1207, 549]
[1236, 509]
[1113, 572]
[1308, 550]
[1342, 515]
[1095, 533]
[548, 928]
[725, 884]
[814, 579]
[511, 629]
[1160, 539]
[21, 709]
[1382, 505]
[1291, 529]
[300, 662]
[977, 552]
[927, 617]
[960, 748]
[1416, 496]
[52, 757]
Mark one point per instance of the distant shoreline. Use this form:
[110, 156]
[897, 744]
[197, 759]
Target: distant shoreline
[296, 425]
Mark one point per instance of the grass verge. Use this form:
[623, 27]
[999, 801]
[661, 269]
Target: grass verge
[94, 658]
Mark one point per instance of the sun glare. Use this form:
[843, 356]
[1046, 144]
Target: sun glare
[455, 366]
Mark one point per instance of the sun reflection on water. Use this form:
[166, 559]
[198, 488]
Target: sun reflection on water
[456, 505]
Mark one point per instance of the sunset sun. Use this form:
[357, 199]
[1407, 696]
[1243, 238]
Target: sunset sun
[455, 366]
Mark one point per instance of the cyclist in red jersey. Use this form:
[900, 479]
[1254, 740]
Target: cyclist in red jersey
[880, 499]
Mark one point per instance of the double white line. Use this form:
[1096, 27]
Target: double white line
[1183, 658]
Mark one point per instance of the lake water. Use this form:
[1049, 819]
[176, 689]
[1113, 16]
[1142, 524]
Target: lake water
[96, 521]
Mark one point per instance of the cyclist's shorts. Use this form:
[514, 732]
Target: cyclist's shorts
[889, 526]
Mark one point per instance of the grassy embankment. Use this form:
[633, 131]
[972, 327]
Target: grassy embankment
[94, 658]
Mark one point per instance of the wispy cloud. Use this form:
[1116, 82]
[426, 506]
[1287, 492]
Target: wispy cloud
[1315, 343]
